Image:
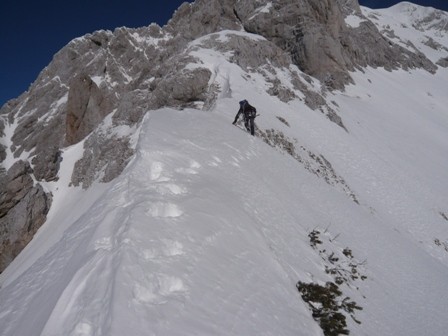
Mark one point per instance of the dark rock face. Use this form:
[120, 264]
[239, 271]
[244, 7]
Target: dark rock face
[314, 33]
[203, 17]
[443, 62]
[86, 108]
[307, 30]
[46, 164]
[98, 151]
[320, 42]
[18, 184]
[23, 209]
[2, 147]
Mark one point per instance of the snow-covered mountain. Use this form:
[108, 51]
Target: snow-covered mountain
[144, 211]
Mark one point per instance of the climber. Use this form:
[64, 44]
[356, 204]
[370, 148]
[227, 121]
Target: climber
[249, 113]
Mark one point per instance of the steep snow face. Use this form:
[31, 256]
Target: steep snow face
[175, 244]
[404, 140]
[420, 17]
[208, 230]
[414, 27]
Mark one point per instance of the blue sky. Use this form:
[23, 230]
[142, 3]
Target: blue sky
[31, 32]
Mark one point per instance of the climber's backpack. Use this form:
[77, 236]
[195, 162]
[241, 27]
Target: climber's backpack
[249, 111]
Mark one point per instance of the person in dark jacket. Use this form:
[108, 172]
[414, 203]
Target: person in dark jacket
[249, 113]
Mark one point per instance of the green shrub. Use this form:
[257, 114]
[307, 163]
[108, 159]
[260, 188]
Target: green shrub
[324, 306]
[328, 303]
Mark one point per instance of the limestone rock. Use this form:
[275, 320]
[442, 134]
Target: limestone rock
[348, 7]
[46, 164]
[16, 185]
[443, 62]
[86, 108]
[203, 17]
[320, 42]
[23, 209]
[103, 160]
[2, 153]
[2, 147]
[180, 88]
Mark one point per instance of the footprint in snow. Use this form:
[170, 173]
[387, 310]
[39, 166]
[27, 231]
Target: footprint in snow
[155, 172]
[159, 289]
[215, 162]
[171, 248]
[166, 210]
[82, 329]
[104, 243]
[194, 164]
[192, 169]
[170, 188]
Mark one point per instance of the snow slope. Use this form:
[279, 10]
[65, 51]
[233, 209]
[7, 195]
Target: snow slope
[414, 27]
[206, 231]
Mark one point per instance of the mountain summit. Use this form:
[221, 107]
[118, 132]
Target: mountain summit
[130, 204]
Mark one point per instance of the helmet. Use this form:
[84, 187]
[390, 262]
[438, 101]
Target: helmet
[243, 102]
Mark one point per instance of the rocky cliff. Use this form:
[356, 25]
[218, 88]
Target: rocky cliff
[97, 89]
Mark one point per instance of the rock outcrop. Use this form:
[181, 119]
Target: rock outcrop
[319, 40]
[314, 33]
[443, 62]
[23, 209]
[86, 108]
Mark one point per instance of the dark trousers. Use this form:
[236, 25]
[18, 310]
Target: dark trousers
[250, 125]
